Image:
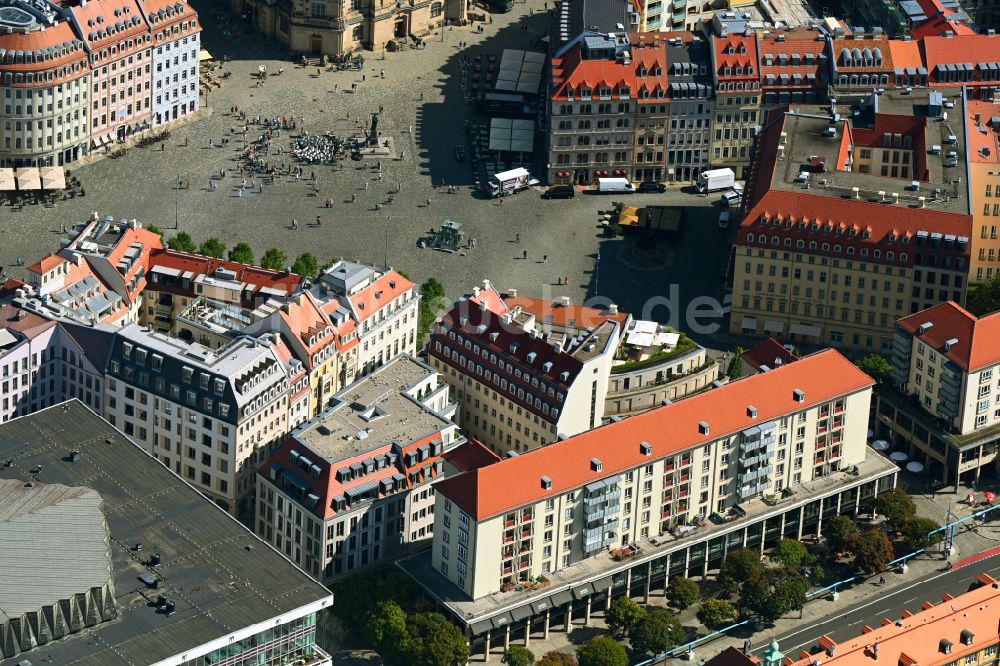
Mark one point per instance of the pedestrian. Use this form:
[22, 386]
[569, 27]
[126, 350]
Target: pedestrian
[382, 73]
[354, 197]
[318, 72]
[363, 77]
[545, 258]
[566, 279]
[185, 142]
[524, 254]
[319, 221]
[366, 184]
[517, 238]
[502, 200]
[428, 201]
[559, 280]
[239, 193]
[295, 223]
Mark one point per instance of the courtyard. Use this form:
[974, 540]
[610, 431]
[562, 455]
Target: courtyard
[425, 114]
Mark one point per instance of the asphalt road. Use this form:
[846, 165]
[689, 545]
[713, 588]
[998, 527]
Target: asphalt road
[846, 624]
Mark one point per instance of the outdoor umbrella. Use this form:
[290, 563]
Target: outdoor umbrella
[990, 496]
[27, 179]
[898, 456]
[7, 181]
[53, 178]
[880, 445]
[915, 467]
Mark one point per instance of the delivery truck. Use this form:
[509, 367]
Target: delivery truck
[615, 186]
[715, 180]
[506, 183]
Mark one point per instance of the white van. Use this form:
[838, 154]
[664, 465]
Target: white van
[618, 185]
[724, 219]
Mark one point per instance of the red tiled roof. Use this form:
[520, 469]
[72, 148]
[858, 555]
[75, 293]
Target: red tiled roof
[17, 319]
[982, 147]
[801, 41]
[202, 265]
[942, 19]
[45, 264]
[53, 36]
[671, 429]
[582, 316]
[978, 339]
[906, 54]
[970, 49]
[748, 59]
[384, 290]
[879, 220]
[767, 352]
[917, 637]
[470, 455]
[305, 319]
[105, 11]
[862, 44]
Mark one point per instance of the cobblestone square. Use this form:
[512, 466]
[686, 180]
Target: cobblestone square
[425, 114]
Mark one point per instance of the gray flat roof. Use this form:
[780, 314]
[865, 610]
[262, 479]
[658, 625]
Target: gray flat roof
[376, 406]
[602, 566]
[806, 126]
[221, 577]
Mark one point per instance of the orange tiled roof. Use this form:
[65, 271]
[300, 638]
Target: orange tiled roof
[906, 54]
[983, 147]
[671, 429]
[977, 339]
[305, 318]
[384, 290]
[918, 638]
[45, 264]
[970, 49]
[202, 265]
[721, 46]
[850, 44]
[801, 41]
[581, 316]
[53, 36]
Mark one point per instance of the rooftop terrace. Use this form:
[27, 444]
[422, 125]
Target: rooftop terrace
[375, 410]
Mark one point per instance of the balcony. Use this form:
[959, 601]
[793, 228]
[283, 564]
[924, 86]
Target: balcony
[523, 565]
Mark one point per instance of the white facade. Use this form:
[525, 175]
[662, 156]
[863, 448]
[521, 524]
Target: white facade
[175, 78]
[46, 125]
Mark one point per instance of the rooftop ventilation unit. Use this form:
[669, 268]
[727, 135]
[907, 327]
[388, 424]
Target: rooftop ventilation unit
[703, 427]
[531, 357]
[546, 483]
[752, 411]
[949, 344]
[924, 327]
[512, 454]
[645, 448]
[596, 464]
[494, 335]
[547, 366]
[798, 395]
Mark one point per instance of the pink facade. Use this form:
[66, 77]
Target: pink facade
[120, 45]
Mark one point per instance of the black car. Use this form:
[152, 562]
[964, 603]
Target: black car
[651, 186]
[560, 192]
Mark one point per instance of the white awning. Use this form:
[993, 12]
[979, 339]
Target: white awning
[644, 326]
[639, 339]
[668, 339]
[771, 326]
[805, 329]
[749, 324]
[166, 270]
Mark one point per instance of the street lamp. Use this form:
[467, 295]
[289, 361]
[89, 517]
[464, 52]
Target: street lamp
[177, 195]
[385, 259]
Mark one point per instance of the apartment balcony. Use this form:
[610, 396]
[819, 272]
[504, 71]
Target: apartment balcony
[523, 565]
[526, 518]
[508, 570]
[509, 523]
[508, 538]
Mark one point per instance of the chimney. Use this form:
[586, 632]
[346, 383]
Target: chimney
[613, 309]
[512, 293]
[486, 285]
[475, 292]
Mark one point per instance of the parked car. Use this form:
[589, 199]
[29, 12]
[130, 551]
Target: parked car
[651, 186]
[560, 192]
[460, 153]
[732, 198]
[724, 219]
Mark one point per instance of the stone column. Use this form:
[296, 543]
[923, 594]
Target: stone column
[569, 616]
[649, 582]
[586, 613]
[486, 656]
[802, 517]
[527, 632]
[506, 638]
[545, 630]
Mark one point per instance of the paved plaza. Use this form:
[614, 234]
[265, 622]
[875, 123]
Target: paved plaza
[425, 114]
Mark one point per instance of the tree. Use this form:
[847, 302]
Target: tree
[213, 247]
[601, 652]
[182, 242]
[242, 254]
[360, 595]
[984, 298]
[682, 592]
[876, 367]
[840, 531]
[432, 302]
[790, 552]
[896, 506]
[623, 614]
[660, 630]
[434, 641]
[386, 631]
[740, 565]
[155, 229]
[915, 530]
[770, 594]
[872, 551]
[614, 230]
[717, 613]
[518, 656]
[274, 259]
[306, 265]
[557, 659]
[735, 369]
